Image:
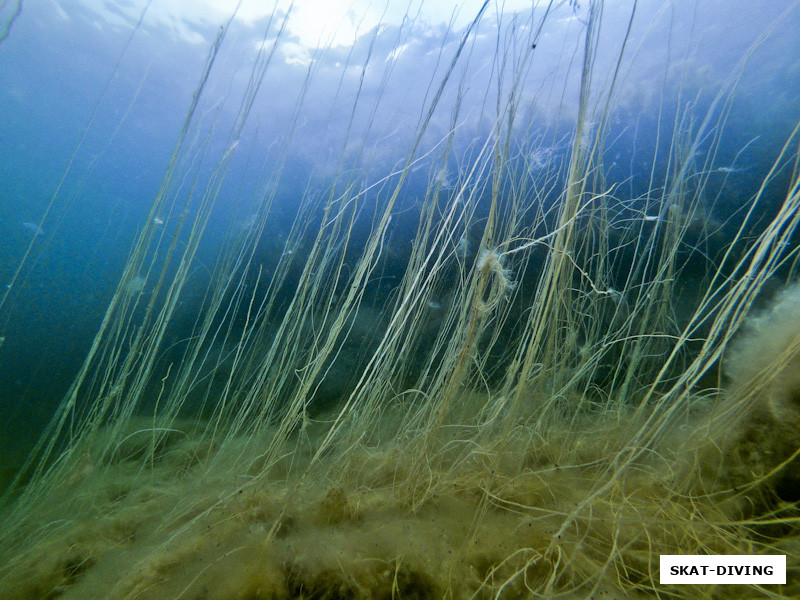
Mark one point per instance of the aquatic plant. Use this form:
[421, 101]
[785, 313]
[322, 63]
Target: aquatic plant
[534, 409]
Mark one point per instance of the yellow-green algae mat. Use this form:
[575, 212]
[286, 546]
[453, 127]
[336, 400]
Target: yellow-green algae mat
[508, 521]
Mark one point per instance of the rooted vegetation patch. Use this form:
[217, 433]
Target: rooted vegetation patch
[516, 398]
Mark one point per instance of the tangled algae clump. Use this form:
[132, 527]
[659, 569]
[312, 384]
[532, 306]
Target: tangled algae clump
[528, 380]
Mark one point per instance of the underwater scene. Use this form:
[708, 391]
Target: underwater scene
[397, 300]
